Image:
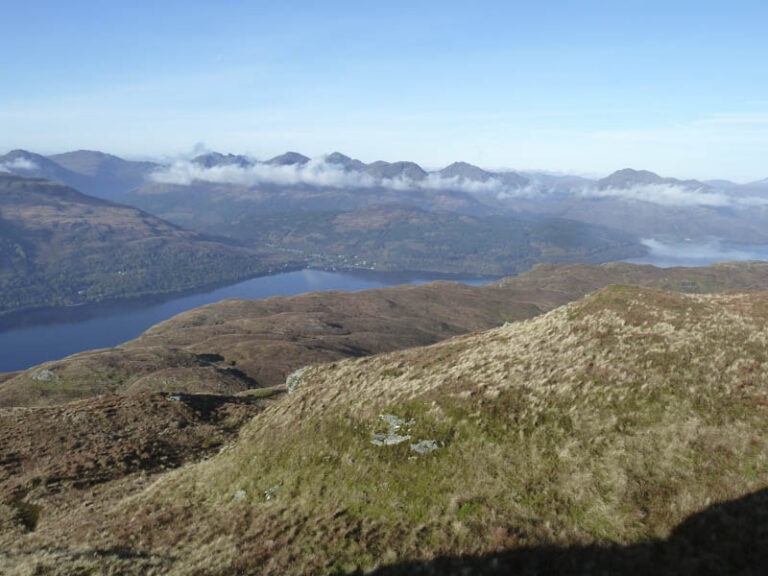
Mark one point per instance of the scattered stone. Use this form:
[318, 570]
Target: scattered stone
[391, 437]
[227, 447]
[395, 422]
[295, 379]
[45, 375]
[177, 397]
[269, 494]
[239, 495]
[425, 446]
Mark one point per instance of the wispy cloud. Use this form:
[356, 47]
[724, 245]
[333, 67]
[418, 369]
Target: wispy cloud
[314, 173]
[22, 164]
[676, 195]
[318, 173]
[696, 254]
[670, 195]
[665, 195]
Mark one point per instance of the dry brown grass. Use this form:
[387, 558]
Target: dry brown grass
[606, 421]
[260, 342]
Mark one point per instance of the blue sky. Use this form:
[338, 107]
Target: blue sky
[676, 87]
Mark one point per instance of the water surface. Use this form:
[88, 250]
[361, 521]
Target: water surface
[35, 337]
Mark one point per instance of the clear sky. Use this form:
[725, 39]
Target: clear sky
[680, 88]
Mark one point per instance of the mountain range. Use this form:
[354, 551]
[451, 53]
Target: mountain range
[337, 212]
[91, 172]
[106, 175]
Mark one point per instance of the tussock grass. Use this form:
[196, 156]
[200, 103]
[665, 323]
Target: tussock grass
[606, 421]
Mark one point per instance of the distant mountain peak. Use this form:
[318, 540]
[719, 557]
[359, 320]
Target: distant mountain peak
[632, 176]
[401, 169]
[28, 163]
[212, 159]
[466, 171]
[289, 159]
[85, 153]
[339, 159]
[628, 177]
[19, 153]
[112, 172]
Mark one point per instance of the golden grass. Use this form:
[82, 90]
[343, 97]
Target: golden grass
[609, 420]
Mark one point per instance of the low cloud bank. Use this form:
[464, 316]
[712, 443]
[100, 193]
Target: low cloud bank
[313, 173]
[319, 173]
[677, 195]
[316, 172]
[666, 195]
[665, 254]
[22, 164]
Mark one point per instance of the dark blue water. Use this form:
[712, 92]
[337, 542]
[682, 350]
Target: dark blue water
[32, 338]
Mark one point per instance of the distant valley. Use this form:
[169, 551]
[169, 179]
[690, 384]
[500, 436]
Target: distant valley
[339, 213]
[576, 413]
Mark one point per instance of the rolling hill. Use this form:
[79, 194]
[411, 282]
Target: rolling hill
[594, 438]
[239, 345]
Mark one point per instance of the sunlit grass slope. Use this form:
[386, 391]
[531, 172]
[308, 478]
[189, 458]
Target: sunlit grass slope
[609, 420]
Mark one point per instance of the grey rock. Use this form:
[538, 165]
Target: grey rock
[425, 446]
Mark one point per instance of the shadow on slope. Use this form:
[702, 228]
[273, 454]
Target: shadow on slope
[726, 538]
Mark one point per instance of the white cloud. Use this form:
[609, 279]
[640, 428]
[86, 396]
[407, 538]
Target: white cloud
[696, 254]
[313, 173]
[675, 195]
[436, 182]
[665, 195]
[318, 173]
[18, 164]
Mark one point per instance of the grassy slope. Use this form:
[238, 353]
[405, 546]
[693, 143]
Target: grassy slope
[606, 421]
[238, 344]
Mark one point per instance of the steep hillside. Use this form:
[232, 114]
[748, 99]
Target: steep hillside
[104, 175]
[31, 165]
[89, 171]
[59, 247]
[398, 237]
[237, 345]
[573, 442]
[203, 205]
